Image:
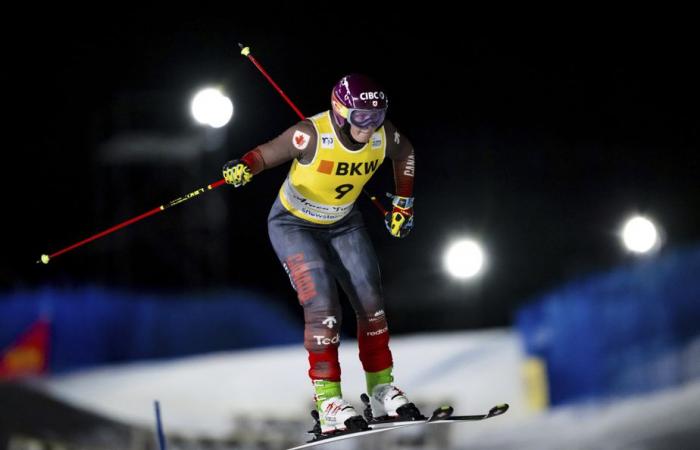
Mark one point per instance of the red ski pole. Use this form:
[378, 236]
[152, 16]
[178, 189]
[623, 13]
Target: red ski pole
[46, 258]
[245, 51]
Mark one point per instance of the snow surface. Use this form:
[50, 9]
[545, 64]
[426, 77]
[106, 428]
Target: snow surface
[220, 395]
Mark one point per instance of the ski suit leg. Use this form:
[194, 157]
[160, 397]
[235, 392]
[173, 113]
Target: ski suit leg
[360, 278]
[302, 248]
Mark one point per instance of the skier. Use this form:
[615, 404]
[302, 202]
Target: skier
[319, 236]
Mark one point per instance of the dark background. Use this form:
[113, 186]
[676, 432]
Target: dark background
[538, 140]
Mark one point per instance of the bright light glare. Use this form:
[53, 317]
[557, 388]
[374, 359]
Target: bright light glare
[640, 235]
[211, 107]
[464, 259]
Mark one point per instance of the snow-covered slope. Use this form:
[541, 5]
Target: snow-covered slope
[201, 395]
[254, 394]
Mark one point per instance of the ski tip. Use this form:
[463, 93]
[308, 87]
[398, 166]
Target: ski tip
[498, 409]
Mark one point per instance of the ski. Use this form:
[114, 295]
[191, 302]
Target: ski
[443, 414]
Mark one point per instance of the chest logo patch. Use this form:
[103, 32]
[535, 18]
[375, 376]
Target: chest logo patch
[327, 140]
[325, 167]
[376, 140]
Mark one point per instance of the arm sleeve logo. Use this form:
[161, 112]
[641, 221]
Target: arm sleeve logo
[300, 139]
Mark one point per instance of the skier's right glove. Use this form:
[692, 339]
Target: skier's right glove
[237, 173]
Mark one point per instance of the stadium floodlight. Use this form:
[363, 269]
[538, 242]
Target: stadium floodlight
[211, 107]
[640, 235]
[464, 259]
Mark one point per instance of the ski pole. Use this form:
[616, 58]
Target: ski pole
[245, 51]
[162, 443]
[376, 202]
[47, 257]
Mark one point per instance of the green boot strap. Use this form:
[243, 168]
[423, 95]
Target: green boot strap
[376, 378]
[325, 389]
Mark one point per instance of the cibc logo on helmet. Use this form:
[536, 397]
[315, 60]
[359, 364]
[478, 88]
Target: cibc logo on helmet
[373, 96]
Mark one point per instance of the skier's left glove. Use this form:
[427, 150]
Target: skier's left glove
[237, 173]
[399, 221]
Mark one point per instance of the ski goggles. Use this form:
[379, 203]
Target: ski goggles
[366, 118]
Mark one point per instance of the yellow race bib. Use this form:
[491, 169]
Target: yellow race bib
[324, 190]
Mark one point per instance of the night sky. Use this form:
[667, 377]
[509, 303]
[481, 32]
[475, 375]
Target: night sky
[538, 141]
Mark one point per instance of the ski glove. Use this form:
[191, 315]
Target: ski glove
[237, 173]
[399, 221]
